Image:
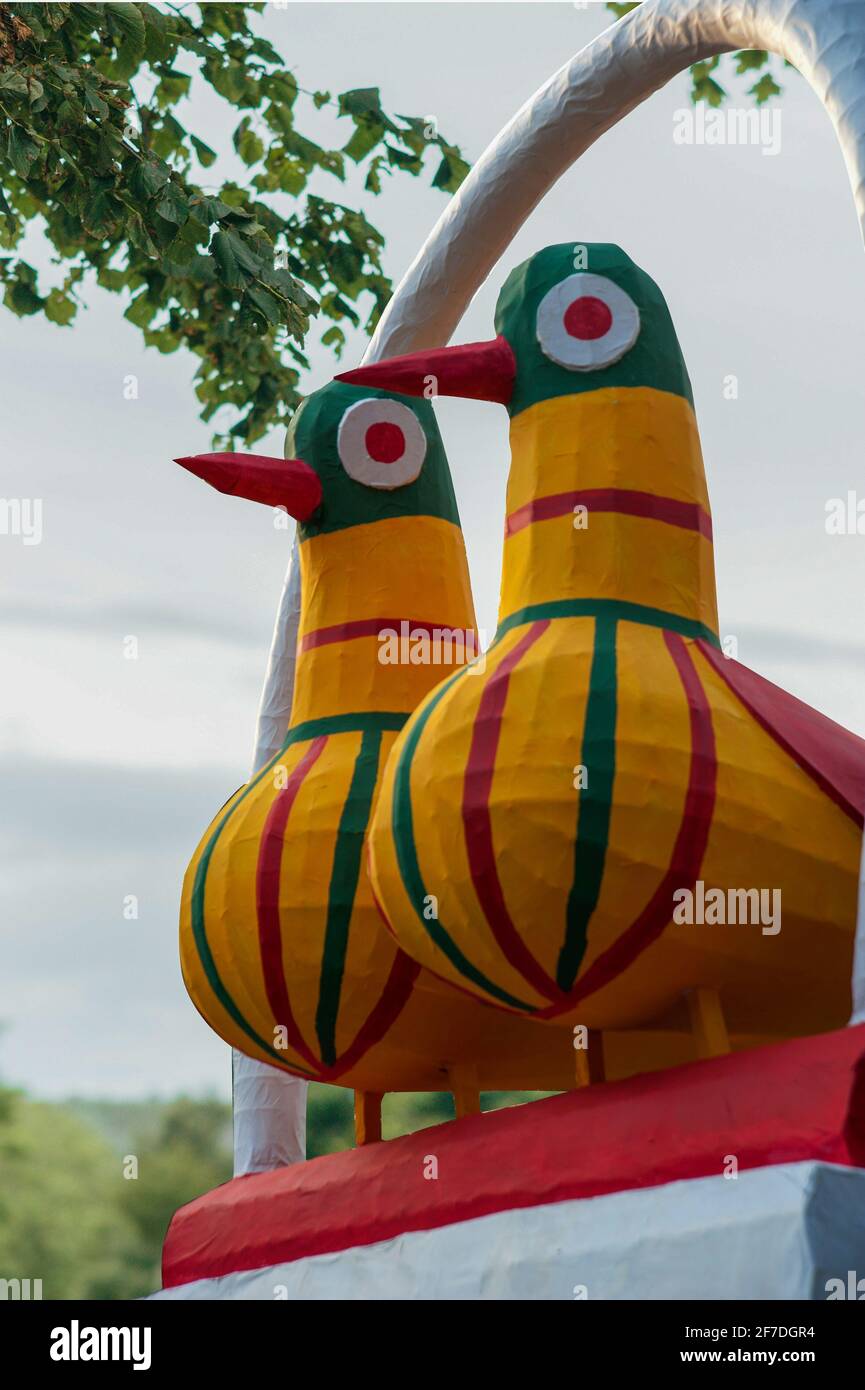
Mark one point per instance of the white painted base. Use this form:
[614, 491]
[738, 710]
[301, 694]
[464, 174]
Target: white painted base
[779, 1232]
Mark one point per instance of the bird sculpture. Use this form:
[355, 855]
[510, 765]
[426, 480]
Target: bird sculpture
[623, 828]
[283, 950]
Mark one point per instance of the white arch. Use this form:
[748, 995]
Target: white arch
[824, 39]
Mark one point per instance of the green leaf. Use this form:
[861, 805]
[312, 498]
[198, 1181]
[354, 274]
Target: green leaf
[22, 299]
[173, 205]
[139, 236]
[128, 20]
[764, 89]
[266, 302]
[291, 176]
[334, 337]
[282, 87]
[450, 173]
[94, 103]
[208, 210]
[59, 308]
[367, 135]
[708, 90]
[247, 143]
[140, 311]
[157, 44]
[155, 174]
[22, 151]
[373, 178]
[112, 279]
[169, 137]
[11, 81]
[750, 58]
[403, 159]
[361, 101]
[173, 87]
[100, 208]
[206, 155]
[262, 48]
[234, 259]
[228, 80]
[31, 19]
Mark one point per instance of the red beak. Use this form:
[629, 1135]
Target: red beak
[287, 483]
[479, 371]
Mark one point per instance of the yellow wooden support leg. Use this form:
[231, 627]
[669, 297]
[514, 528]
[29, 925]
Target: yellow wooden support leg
[590, 1059]
[367, 1117]
[707, 1023]
[466, 1090]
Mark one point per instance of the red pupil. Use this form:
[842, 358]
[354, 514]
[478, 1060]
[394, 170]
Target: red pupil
[588, 318]
[385, 442]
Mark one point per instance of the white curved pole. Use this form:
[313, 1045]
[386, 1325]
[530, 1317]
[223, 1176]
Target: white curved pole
[824, 39]
[268, 1105]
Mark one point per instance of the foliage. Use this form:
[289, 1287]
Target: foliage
[705, 87]
[61, 1219]
[69, 1216]
[92, 148]
[189, 1154]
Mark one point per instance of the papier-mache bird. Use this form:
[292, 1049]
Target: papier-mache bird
[283, 950]
[616, 814]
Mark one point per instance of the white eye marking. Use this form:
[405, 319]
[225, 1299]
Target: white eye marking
[586, 322]
[381, 443]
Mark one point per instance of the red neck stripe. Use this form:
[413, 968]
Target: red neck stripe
[371, 627]
[690, 516]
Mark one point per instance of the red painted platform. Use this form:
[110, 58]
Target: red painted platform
[800, 1100]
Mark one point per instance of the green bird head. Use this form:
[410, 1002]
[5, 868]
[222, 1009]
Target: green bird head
[575, 317]
[357, 455]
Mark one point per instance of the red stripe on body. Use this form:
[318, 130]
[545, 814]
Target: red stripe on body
[477, 822]
[394, 998]
[626, 502]
[267, 878]
[688, 850]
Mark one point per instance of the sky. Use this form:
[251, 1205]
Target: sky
[112, 767]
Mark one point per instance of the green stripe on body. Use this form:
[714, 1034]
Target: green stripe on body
[344, 877]
[598, 756]
[339, 723]
[200, 935]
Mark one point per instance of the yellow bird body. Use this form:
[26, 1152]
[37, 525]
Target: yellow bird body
[614, 814]
[283, 950]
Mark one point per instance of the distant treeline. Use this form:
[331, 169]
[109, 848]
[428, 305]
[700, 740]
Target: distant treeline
[88, 1187]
